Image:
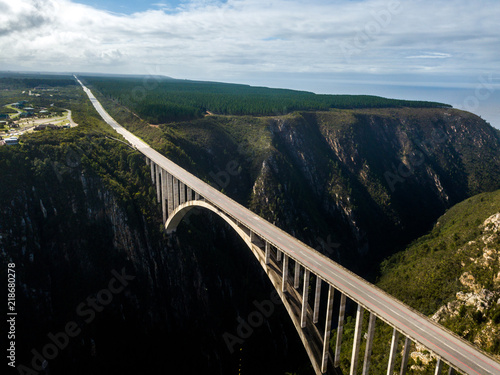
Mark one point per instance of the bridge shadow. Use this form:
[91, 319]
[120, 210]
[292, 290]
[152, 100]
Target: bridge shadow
[291, 293]
[292, 298]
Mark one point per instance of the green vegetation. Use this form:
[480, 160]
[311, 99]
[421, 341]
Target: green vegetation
[89, 146]
[460, 255]
[427, 276]
[30, 81]
[90, 208]
[306, 171]
[165, 100]
[431, 266]
[300, 170]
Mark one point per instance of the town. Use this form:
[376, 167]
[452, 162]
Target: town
[18, 118]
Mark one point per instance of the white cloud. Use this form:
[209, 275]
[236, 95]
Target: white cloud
[431, 55]
[220, 40]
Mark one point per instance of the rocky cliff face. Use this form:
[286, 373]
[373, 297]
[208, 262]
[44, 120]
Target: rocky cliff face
[357, 174]
[479, 297]
[70, 233]
[474, 311]
[354, 184]
[357, 185]
[452, 274]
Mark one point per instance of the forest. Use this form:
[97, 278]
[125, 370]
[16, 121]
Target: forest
[162, 100]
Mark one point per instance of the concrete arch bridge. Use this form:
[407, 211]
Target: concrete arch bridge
[299, 272]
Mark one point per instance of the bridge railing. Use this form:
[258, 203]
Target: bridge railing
[175, 187]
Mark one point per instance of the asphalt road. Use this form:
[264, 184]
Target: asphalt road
[452, 349]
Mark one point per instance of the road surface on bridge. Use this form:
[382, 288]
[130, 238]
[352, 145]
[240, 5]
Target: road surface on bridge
[452, 349]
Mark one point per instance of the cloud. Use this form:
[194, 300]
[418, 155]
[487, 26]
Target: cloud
[27, 16]
[218, 40]
[431, 55]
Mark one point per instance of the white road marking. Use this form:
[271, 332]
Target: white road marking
[325, 268]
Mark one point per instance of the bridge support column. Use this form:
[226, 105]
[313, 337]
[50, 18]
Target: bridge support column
[267, 252]
[340, 330]
[296, 277]
[147, 160]
[357, 340]
[175, 187]
[278, 255]
[182, 192]
[170, 194]
[285, 273]
[305, 297]
[406, 355]
[439, 367]
[252, 236]
[189, 194]
[394, 351]
[369, 344]
[152, 171]
[451, 371]
[317, 297]
[164, 194]
[328, 328]
[158, 183]
[196, 196]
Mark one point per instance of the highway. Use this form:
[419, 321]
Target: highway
[450, 348]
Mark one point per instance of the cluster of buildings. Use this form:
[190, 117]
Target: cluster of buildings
[26, 111]
[9, 141]
[48, 126]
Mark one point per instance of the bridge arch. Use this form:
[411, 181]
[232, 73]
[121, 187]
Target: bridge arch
[175, 186]
[182, 210]
[290, 296]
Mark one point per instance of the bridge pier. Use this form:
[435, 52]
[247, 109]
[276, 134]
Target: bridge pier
[328, 328]
[170, 194]
[175, 187]
[406, 355]
[285, 273]
[317, 296]
[305, 297]
[278, 255]
[296, 277]
[340, 330]
[393, 353]
[369, 343]
[462, 357]
[267, 253]
[182, 192]
[158, 183]
[164, 194]
[357, 340]
[439, 367]
[152, 171]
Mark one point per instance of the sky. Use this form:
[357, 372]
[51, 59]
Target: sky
[445, 50]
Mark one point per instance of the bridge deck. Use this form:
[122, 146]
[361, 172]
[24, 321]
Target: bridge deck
[452, 349]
